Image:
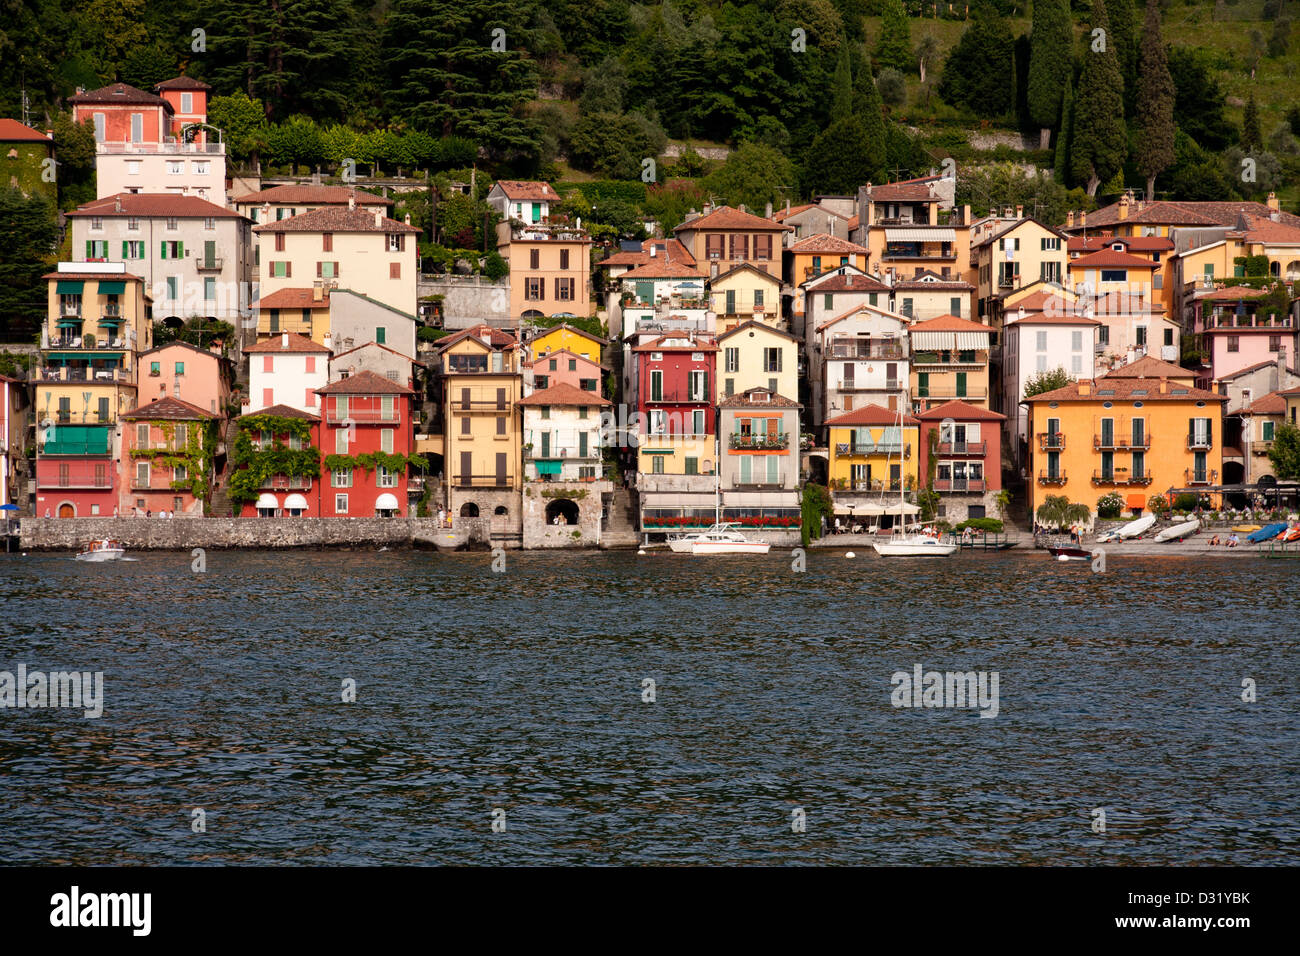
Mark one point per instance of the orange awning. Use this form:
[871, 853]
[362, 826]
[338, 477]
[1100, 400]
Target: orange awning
[1137, 501]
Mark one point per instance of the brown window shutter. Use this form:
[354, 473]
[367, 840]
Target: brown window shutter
[318, 270]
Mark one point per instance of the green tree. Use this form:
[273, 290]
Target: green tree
[979, 72]
[1200, 101]
[148, 65]
[1251, 137]
[841, 159]
[894, 47]
[1279, 42]
[753, 174]
[1047, 381]
[842, 87]
[1061, 161]
[1123, 35]
[1100, 138]
[615, 146]
[1285, 453]
[1050, 64]
[28, 230]
[1155, 104]
[242, 121]
[892, 87]
[74, 145]
[1057, 511]
[603, 87]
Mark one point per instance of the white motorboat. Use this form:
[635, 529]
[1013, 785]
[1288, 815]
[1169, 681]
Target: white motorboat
[913, 546]
[1130, 530]
[1179, 531]
[728, 542]
[104, 550]
[682, 543]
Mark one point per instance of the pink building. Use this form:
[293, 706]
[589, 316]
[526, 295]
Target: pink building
[181, 370]
[164, 455]
[1238, 334]
[565, 367]
[284, 496]
[967, 458]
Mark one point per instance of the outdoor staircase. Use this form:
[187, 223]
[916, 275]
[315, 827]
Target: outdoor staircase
[620, 531]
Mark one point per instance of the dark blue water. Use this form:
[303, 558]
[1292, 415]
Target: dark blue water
[523, 690]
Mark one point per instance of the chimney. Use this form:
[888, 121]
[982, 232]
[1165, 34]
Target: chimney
[328, 339]
[117, 204]
[1085, 387]
[352, 199]
[965, 215]
[787, 205]
[317, 291]
[266, 212]
[1164, 386]
[284, 340]
[1069, 219]
[379, 217]
[654, 250]
[1123, 204]
[407, 219]
[1020, 212]
[315, 178]
[1273, 203]
[49, 134]
[1083, 219]
[742, 208]
[767, 211]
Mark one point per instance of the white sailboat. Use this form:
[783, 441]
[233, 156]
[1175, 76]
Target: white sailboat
[916, 544]
[722, 538]
[1179, 531]
[1130, 530]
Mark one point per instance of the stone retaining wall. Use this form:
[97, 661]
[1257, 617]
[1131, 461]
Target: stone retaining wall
[69, 534]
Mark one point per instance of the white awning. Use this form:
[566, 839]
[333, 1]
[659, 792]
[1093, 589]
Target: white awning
[921, 234]
[901, 508]
[950, 340]
[656, 500]
[761, 499]
[297, 501]
[384, 502]
[265, 500]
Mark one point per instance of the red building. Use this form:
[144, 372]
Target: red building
[968, 458]
[676, 380]
[283, 496]
[162, 454]
[361, 415]
[123, 114]
[76, 472]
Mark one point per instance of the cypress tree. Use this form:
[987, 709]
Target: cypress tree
[1100, 138]
[1251, 137]
[1155, 103]
[1062, 159]
[894, 48]
[1049, 64]
[1123, 34]
[842, 88]
[979, 73]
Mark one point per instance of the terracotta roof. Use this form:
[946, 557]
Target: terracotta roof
[516, 189]
[12, 131]
[1012, 227]
[938, 284]
[1039, 301]
[571, 354]
[364, 383]
[961, 412]
[1260, 229]
[725, 217]
[1110, 258]
[313, 195]
[1124, 388]
[850, 282]
[182, 82]
[687, 344]
[901, 192]
[177, 343]
[870, 415]
[825, 242]
[1044, 319]
[490, 336]
[294, 299]
[562, 393]
[335, 219]
[89, 276]
[751, 323]
[749, 399]
[1290, 392]
[1233, 293]
[1180, 214]
[543, 331]
[1274, 403]
[853, 223]
[275, 343]
[747, 267]
[1083, 244]
[781, 215]
[1253, 368]
[1149, 366]
[949, 323]
[119, 93]
[154, 206]
[172, 409]
[378, 345]
[1120, 303]
[660, 268]
[283, 411]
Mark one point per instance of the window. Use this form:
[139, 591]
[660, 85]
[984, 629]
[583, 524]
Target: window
[758, 298]
[1076, 341]
[692, 466]
[739, 246]
[817, 265]
[731, 301]
[173, 288]
[699, 386]
[201, 168]
[658, 422]
[564, 258]
[386, 440]
[564, 290]
[1103, 335]
[381, 335]
[1050, 271]
[697, 422]
[187, 102]
[533, 289]
[714, 246]
[1040, 341]
[545, 411]
[573, 365]
[341, 504]
[142, 436]
[96, 248]
[142, 474]
[1114, 275]
[954, 306]
[657, 465]
[210, 224]
[656, 385]
[133, 167]
[396, 242]
[1140, 332]
[772, 360]
[341, 441]
[732, 360]
[1169, 336]
[180, 368]
[1267, 432]
[1052, 244]
[279, 242]
[587, 384]
[386, 478]
[501, 425]
[388, 408]
[132, 224]
[99, 127]
[763, 247]
[534, 258]
[394, 270]
[1275, 343]
[175, 167]
[327, 270]
[827, 301]
[1234, 343]
[209, 288]
[96, 224]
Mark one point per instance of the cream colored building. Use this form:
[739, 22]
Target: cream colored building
[754, 355]
[1017, 255]
[745, 293]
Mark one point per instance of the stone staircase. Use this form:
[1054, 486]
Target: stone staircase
[620, 531]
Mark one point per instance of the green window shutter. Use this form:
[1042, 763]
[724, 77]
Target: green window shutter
[180, 250]
[771, 469]
[162, 250]
[90, 249]
[746, 469]
[582, 444]
[126, 248]
[380, 334]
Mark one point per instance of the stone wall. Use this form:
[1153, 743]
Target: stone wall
[70, 534]
[956, 508]
[585, 495]
[469, 300]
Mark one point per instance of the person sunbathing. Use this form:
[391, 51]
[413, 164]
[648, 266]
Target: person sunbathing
[1214, 540]
[1232, 542]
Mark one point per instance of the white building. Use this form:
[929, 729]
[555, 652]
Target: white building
[1034, 344]
[861, 359]
[528, 202]
[286, 370]
[562, 434]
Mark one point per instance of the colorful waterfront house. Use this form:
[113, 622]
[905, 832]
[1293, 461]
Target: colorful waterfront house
[562, 434]
[1250, 383]
[99, 321]
[677, 436]
[355, 247]
[1292, 397]
[302, 311]
[661, 294]
[927, 295]
[479, 382]
[722, 238]
[529, 203]
[1135, 437]
[565, 336]
[195, 255]
[366, 439]
[564, 368]
[828, 215]
[1132, 326]
[814, 255]
[13, 436]
[355, 319]
[911, 227]
[966, 452]
[26, 159]
[1013, 256]
[873, 452]
[266, 432]
[746, 293]
[859, 358]
[1055, 338]
[168, 447]
[834, 293]
[1109, 271]
[1259, 422]
[550, 267]
[759, 464]
[949, 361]
[632, 255]
[755, 355]
[373, 357]
[284, 202]
[202, 377]
[288, 369]
[1242, 327]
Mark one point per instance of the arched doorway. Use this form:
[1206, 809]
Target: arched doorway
[1234, 472]
[500, 519]
[66, 510]
[561, 511]
[469, 510]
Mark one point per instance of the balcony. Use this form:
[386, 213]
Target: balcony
[163, 149]
[889, 352]
[1200, 442]
[759, 442]
[1051, 441]
[364, 416]
[1121, 476]
[482, 405]
[78, 479]
[1051, 478]
[678, 397]
[949, 394]
[947, 362]
[1120, 442]
[976, 448]
[960, 485]
[761, 481]
[204, 264]
[285, 483]
[112, 311]
[68, 373]
[483, 481]
[874, 448]
[1261, 447]
[87, 343]
[1193, 477]
[1230, 320]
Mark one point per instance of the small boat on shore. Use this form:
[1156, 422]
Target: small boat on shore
[1130, 530]
[727, 542]
[106, 549]
[1267, 533]
[1069, 553]
[1179, 531]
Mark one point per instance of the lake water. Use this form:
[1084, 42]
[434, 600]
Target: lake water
[523, 690]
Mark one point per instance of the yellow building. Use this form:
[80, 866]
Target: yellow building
[746, 293]
[550, 268]
[906, 230]
[1137, 437]
[304, 311]
[808, 258]
[871, 451]
[755, 355]
[1017, 255]
[565, 336]
[950, 361]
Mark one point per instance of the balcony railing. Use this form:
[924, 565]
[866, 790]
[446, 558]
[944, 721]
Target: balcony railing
[936, 359]
[759, 442]
[112, 311]
[162, 148]
[952, 392]
[67, 373]
[482, 405]
[960, 484]
[677, 397]
[876, 351]
[760, 480]
[1048, 478]
[1193, 477]
[1261, 447]
[204, 264]
[977, 448]
[483, 481]
[75, 481]
[1121, 477]
[1200, 442]
[1120, 442]
[1051, 441]
[1230, 320]
[364, 416]
[873, 448]
[284, 483]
